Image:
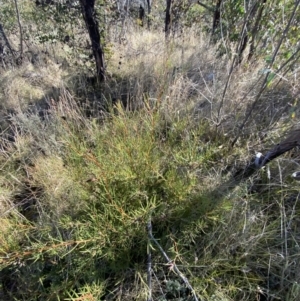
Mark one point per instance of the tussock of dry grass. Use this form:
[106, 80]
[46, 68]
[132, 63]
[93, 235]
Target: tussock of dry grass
[28, 85]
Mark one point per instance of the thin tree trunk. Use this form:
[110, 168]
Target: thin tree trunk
[88, 12]
[243, 45]
[255, 29]
[141, 15]
[168, 19]
[148, 15]
[20, 58]
[217, 17]
[4, 41]
[249, 19]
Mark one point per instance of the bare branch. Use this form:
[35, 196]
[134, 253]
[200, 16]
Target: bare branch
[292, 141]
[211, 9]
[20, 59]
[149, 260]
[174, 266]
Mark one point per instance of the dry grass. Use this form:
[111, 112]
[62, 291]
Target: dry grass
[29, 84]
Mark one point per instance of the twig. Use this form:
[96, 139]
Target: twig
[211, 9]
[161, 291]
[149, 260]
[20, 30]
[184, 279]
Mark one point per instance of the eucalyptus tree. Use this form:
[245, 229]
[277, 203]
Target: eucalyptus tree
[88, 12]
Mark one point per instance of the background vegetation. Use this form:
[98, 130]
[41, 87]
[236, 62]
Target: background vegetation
[123, 188]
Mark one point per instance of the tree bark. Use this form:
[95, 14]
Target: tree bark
[88, 12]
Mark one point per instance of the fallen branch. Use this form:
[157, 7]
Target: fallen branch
[260, 160]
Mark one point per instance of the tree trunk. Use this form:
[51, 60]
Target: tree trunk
[168, 19]
[141, 15]
[88, 12]
[148, 14]
[217, 17]
[20, 58]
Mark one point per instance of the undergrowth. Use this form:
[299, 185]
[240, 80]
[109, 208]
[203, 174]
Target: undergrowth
[81, 194]
[77, 192]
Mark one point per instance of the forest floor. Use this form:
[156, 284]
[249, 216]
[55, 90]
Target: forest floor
[120, 191]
